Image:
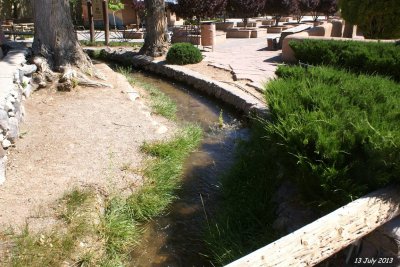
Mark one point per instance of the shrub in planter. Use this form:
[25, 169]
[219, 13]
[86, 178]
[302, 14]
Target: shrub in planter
[184, 53]
[337, 134]
[363, 57]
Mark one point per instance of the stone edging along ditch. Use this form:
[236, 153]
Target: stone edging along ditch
[219, 90]
[14, 88]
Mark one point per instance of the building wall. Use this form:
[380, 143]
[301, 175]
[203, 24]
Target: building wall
[122, 18]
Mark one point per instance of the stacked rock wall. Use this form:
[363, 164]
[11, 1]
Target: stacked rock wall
[14, 88]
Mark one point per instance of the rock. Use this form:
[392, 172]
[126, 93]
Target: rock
[16, 77]
[27, 70]
[4, 124]
[11, 99]
[13, 132]
[6, 143]
[22, 111]
[3, 162]
[9, 106]
[28, 90]
[11, 114]
[2, 152]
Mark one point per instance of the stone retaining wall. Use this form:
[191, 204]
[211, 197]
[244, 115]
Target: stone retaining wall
[14, 88]
[219, 90]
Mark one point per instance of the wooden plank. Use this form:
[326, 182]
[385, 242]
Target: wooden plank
[328, 235]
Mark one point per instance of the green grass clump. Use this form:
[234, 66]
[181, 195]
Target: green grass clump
[184, 53]
[160, 103]
[121, 226]
[52, 248]
[361, 57]
[243, 222]
[163, 172]
[342, 131]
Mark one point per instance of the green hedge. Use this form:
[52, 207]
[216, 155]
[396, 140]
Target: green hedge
[184, 53]
[362, 57]
[340, 130]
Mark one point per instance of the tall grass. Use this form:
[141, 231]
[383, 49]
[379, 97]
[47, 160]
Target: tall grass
[160, 103]
[163, 172]
[360, 57]
[244, 219]
[341, 129]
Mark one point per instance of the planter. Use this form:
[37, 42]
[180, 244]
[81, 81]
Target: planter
[274, 29]
[223, 26]
[268, 22]
[258, 33]
[249, 24]
[238, 33]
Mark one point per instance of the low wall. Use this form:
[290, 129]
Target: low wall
[238, 33]
[219, 90]
[15, 87]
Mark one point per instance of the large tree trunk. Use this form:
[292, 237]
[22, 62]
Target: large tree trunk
[56, 47]
[155, 43]
[55, 39]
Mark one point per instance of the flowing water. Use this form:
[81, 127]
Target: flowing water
[175, 239]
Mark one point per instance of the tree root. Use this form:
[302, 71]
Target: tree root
[72, 78]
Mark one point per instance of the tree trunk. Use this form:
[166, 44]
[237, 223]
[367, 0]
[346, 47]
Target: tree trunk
[56, 47]
[155, 43]
[277, 18]
[55, 39]
[15, 10]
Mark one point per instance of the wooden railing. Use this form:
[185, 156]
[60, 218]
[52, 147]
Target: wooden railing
[328, 235]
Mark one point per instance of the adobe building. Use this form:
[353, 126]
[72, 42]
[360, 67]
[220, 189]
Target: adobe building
[125, 18]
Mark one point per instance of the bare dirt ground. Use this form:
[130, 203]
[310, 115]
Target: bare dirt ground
[88, 137]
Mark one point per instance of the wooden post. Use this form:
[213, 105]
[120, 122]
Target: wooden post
[106, 22]
[328, 235]
[91, 22]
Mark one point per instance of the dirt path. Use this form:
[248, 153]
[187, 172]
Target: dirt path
[89, 137]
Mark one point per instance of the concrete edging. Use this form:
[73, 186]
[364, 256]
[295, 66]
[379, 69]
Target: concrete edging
[224, 92]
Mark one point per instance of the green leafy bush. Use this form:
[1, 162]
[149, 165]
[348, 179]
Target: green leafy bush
[363, 57]
[184, 53]
[376, 18]
[342, 131]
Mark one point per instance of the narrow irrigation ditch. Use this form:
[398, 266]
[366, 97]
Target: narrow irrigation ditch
[177, 238]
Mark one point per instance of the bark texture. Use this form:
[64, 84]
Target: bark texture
[56, 47]
[55, 39]
[155, 43]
